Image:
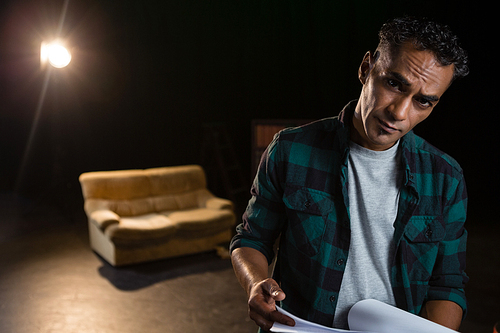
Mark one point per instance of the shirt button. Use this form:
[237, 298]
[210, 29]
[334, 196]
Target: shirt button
[340, 262]
[307, 204]
[332, 298]
[428, 233]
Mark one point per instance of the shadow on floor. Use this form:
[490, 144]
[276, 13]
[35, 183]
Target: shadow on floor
[140, 276]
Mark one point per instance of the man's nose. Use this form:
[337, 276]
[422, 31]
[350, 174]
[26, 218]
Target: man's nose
[399, 108]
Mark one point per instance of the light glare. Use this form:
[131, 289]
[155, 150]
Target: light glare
[56, 54]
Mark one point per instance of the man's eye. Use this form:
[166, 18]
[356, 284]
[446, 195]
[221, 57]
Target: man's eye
[424, 102]
[393, 83]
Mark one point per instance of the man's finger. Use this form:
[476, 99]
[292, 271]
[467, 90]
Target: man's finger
[262, 322]
[267, 321]
[275, 291]
[279, 317]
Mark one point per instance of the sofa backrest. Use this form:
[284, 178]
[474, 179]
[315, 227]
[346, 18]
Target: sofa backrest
[175, 180]
[136, 192]
[115, 185]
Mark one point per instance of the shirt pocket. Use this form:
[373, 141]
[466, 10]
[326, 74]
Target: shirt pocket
[306, 210]
[423, 234]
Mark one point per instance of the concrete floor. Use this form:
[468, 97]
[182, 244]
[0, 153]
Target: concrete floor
[50, 281]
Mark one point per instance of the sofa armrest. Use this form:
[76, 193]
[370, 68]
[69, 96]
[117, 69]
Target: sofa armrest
[219, 203]
[104, 218]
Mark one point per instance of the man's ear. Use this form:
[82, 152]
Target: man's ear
[367, 65]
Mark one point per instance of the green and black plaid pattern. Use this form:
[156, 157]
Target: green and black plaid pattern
[300, 193]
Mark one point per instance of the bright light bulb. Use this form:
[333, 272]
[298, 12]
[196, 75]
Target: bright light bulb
[56, 54]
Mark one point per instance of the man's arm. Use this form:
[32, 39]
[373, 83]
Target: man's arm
[250, 267]
[448, 274]
[446, 313]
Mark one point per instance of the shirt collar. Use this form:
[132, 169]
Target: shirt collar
[345, 116]
[345, 119]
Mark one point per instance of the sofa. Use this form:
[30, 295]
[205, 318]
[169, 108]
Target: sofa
[143, 215]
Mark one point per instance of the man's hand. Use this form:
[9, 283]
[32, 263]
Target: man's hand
[262, 304]
[250, 267]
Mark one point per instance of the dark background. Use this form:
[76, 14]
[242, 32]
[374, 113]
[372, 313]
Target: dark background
[146, 75]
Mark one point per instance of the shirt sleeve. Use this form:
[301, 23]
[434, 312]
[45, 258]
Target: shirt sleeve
[449, 278]
[265, 214]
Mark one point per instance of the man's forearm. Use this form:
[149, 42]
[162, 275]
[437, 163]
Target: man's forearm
[250, 266]
[446, 313]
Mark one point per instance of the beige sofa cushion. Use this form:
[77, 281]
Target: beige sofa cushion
[192, 223]
[175, 180]
[165, 202]
[133, 207]
[116, 185]
[135, 230]
[200, 222]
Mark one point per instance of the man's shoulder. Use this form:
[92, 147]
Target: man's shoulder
[428, 153]
[326, 129]
[325, 126]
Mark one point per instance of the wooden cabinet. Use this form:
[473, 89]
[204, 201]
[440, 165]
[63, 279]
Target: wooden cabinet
[263, 131]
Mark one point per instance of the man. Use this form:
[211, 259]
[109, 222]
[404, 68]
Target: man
[362, 206]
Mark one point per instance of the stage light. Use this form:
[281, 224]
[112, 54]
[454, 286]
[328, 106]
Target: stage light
[55, 54]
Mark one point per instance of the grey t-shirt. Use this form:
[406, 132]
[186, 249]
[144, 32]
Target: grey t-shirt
[375, 179]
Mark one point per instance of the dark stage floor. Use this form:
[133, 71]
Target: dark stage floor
[50, 281]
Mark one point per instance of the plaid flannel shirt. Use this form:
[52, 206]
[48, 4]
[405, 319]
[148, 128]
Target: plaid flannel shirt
[300, 193]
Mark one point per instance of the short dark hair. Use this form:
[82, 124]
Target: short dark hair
[426, 35]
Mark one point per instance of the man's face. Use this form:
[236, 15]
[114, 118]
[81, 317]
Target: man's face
[400, 90]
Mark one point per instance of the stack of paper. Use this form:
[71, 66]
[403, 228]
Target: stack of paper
[304, 326]
[368, 316]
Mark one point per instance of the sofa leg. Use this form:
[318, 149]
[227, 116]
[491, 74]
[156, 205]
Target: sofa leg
[222, 252]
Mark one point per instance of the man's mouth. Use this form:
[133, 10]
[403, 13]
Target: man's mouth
[387, 127]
